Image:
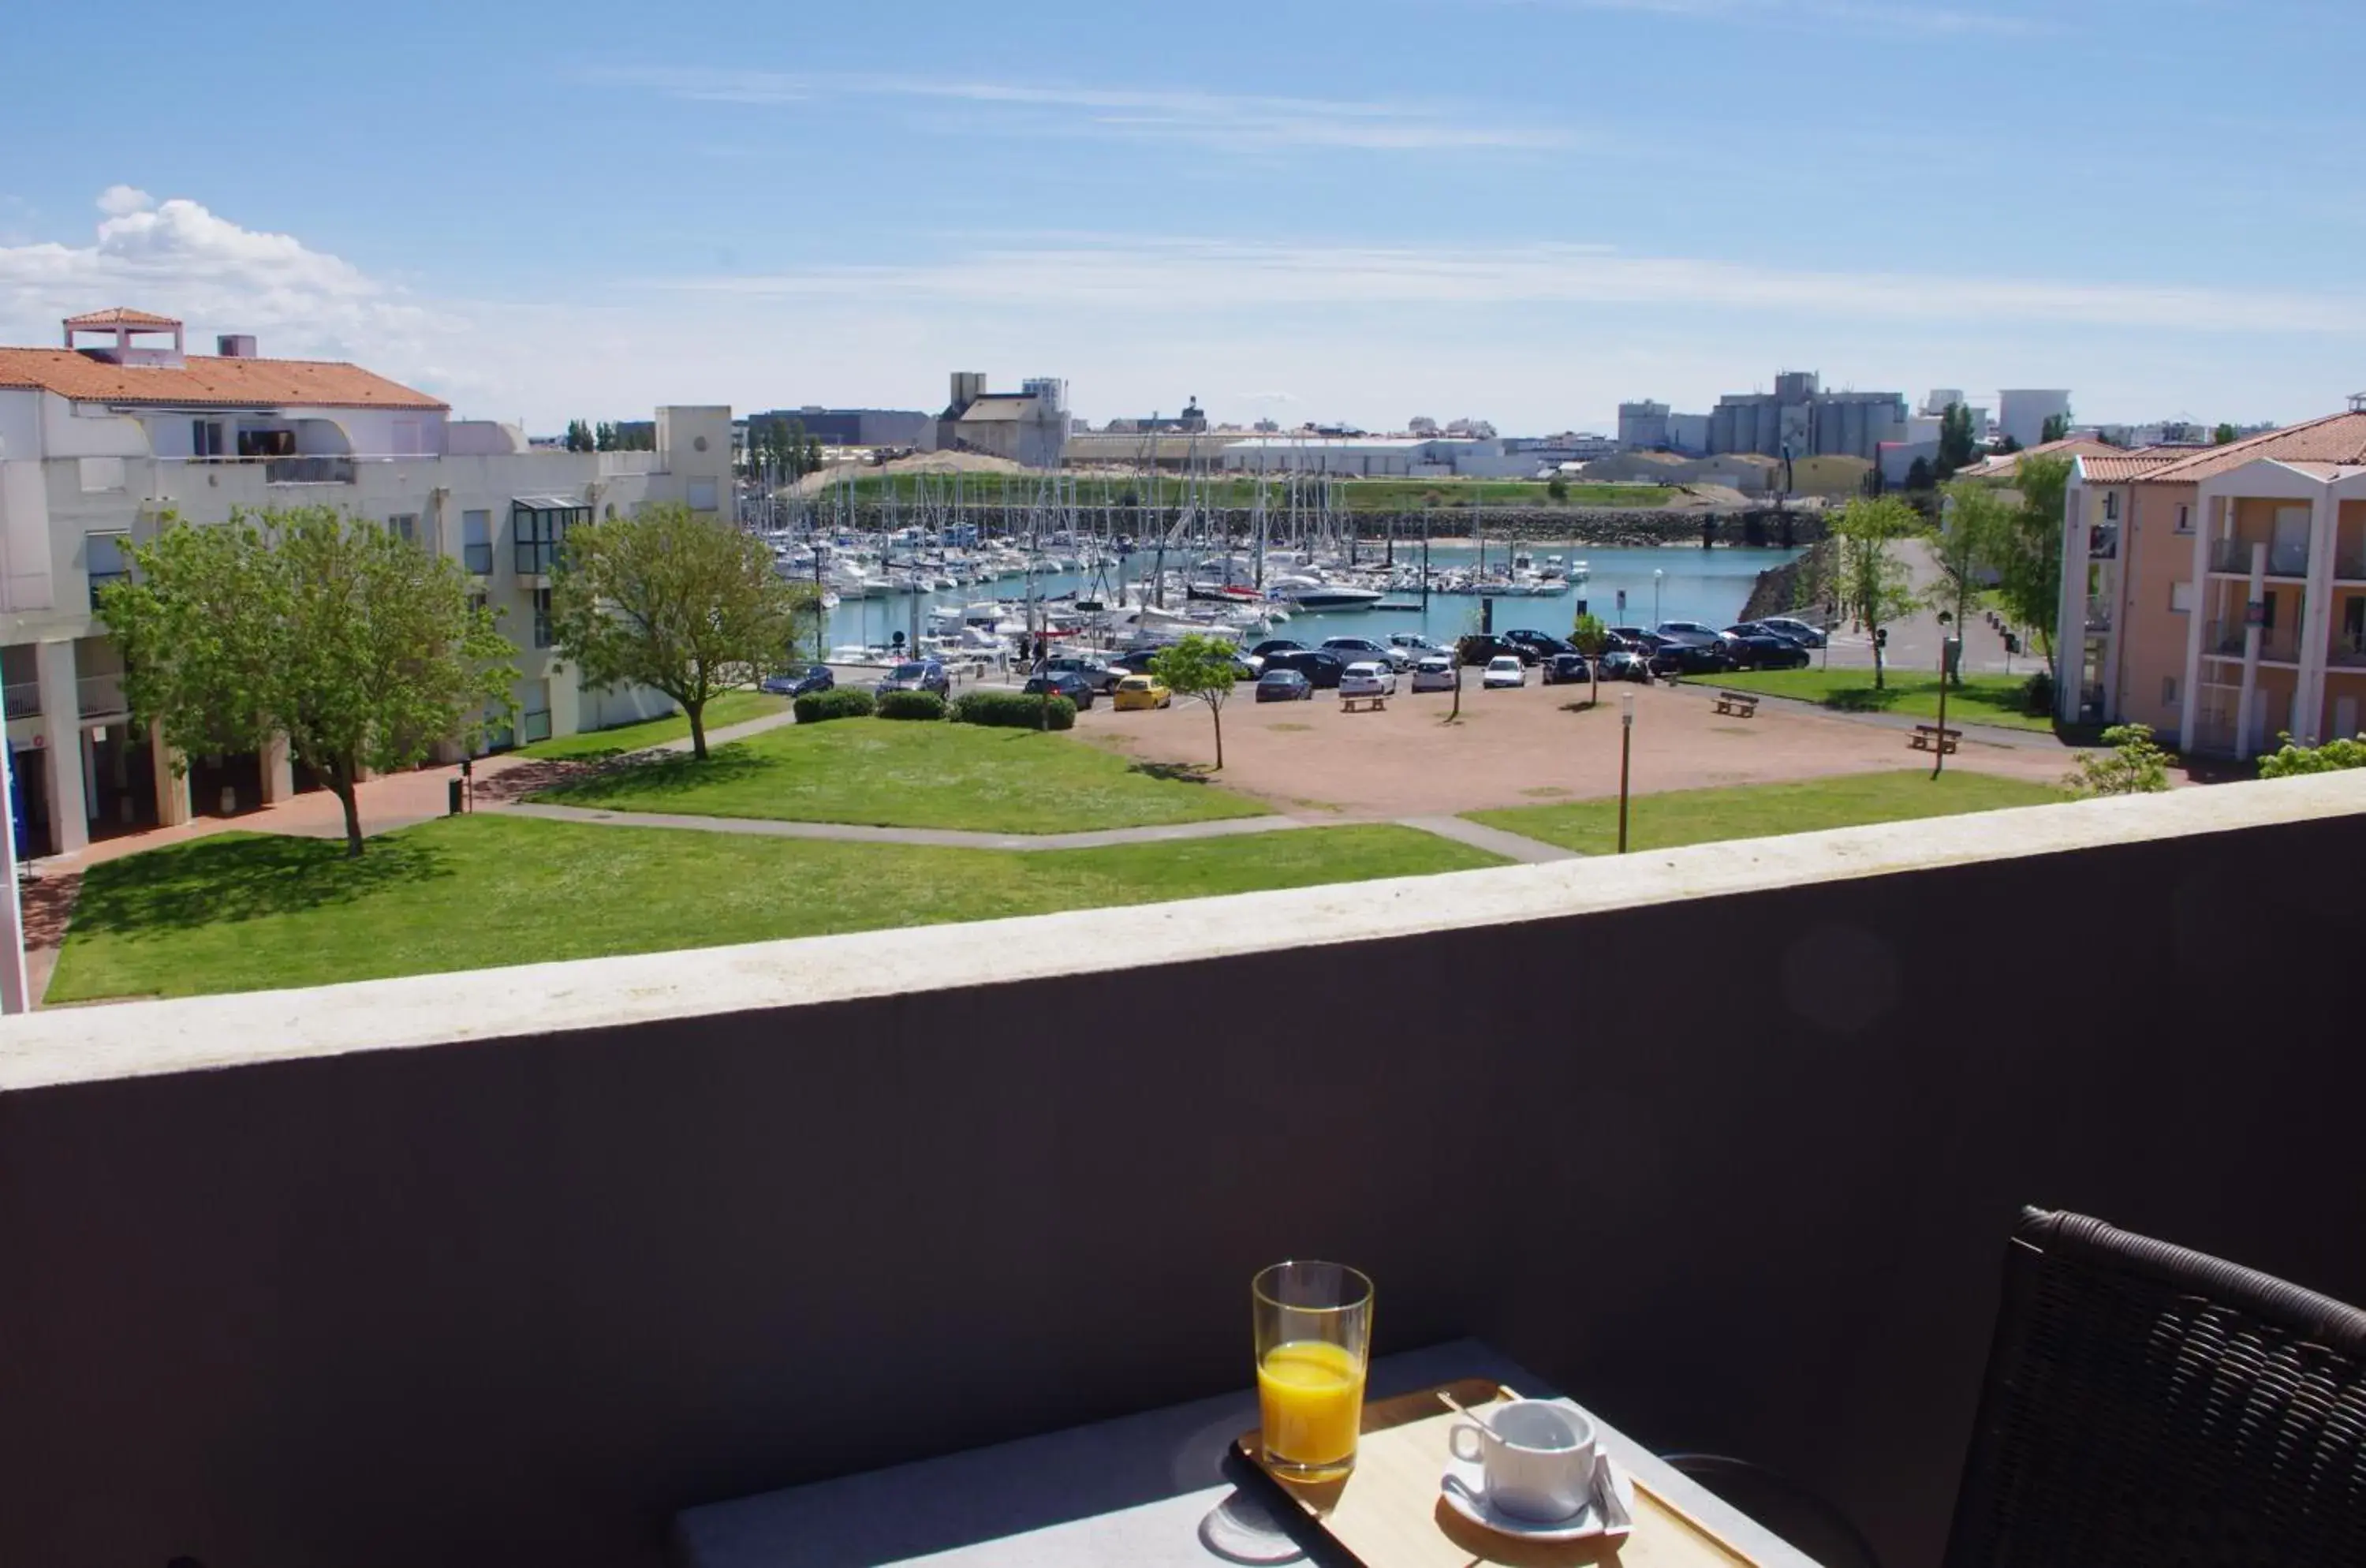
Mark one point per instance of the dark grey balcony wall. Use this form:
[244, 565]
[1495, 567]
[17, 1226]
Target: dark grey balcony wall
[1737, 1170]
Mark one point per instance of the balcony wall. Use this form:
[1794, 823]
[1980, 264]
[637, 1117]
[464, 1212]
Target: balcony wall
[508, 1266]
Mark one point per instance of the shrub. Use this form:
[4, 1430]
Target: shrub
[1556, 488]
[2037, 696]
[2134, 765]
[911, 705]
[2332, 757]
[1014, 710]
[842, 702]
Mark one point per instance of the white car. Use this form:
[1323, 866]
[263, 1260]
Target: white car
[1504, 671]
[1369, 677]
[1434, 674]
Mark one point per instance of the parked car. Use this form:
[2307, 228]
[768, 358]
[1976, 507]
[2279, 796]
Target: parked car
[1090, 667]
[1284, 686]
[1142, 691]
[1367, 678]
[1272, 645]
[918, 675]
[1755, 647]
[1545, 644]
[1625, 664]
[1678, 657]
[1506, 670]
[1797, 630]
[1323, 668]
[1563, 668]
[1248, 667]
[1434, 672]
[797, 682]
[1061, 683]
[1136, 662]
[1355, 649]
[1688, 631]
[1480, 648]
[1416, 644]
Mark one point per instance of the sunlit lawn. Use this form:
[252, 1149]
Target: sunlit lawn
[732, 707]
[240, 911]
[1982, 699]
[1755, 811]
[902, 774]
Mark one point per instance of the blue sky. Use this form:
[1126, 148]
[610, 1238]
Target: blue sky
[1517, 209]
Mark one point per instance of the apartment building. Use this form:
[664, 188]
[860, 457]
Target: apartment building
[101, 439]
[2219, 594]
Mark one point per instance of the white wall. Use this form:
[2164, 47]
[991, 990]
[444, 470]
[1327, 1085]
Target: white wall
[68, 432]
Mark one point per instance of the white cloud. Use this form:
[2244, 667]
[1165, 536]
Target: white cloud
[1241, 122]
[117, 200]
[1202, 276]
[1853, 15]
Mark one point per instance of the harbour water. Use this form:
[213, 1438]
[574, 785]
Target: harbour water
[1674, 583]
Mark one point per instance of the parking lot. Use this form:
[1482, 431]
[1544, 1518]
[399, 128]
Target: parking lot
[1524, 747]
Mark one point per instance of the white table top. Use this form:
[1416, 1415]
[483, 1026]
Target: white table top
[1131, 1491]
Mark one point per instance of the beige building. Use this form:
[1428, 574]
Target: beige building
[102, 437]
[2218, 594]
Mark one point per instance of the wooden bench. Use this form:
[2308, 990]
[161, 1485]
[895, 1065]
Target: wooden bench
[1364, 704]
[1741, 705]
[1924, 734]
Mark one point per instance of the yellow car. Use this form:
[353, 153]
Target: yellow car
[1142, 691]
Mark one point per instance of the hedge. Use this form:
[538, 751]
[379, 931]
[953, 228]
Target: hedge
[911, 705]
[842, 702]
[1014, 710]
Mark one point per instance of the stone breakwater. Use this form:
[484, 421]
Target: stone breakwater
[1786, 589]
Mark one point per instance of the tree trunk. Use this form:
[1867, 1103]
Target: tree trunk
[1216, 712]
[1593, 697]
[340, 780]
[1457, 710]
[697, 712]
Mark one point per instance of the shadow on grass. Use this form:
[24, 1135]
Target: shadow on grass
[1175, 772]
[675, 773]
[1865, 699]
[235, 878]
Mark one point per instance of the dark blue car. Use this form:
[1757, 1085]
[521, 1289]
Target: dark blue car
[796, 683]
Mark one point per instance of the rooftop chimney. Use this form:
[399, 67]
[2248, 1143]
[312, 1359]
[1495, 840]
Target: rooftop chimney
[235, 345]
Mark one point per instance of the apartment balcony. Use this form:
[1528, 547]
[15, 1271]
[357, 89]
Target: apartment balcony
[2349, 564]
[514, 1266]
[2349, 653]
[100, 696]
[2099, 615]
[2234, 555]
[324, 470]
[23, 699]
[2103, 541]
[2225, 639]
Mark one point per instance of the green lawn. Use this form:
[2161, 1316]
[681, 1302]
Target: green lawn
[1758, 811]
[906, 774]
[731, 707]
[1982, 699]
[241, 911]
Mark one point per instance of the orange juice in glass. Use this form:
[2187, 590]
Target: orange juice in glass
[1314, 1341]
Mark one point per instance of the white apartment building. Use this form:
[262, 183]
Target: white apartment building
[104, 436]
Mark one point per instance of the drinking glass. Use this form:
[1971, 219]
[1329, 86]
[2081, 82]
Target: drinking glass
[1314, 1342]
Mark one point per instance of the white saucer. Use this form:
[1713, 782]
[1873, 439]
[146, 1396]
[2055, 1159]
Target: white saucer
[1610, 1513]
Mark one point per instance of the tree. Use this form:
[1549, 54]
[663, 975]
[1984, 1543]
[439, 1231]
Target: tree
[1556, 488]
[359, 647]
[1954, 441]
[1202, 669]
[578, 436]
[2134, 765]
[2057, 428]
[2224, 436]
[2027, 556]
[2333, 756]
[603, 436]
[1874, 587]
[1919, 475]
[1593, 640]
[662, 599]
[2010, 445]
[1974, 526]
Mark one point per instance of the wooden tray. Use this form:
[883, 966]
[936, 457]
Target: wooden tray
[1388, 1513]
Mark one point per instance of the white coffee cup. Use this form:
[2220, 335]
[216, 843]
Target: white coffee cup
[1538, 1458]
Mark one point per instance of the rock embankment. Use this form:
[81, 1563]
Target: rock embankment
[1790, 589]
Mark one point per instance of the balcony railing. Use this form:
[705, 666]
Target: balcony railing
[307, 470]
[2230, 555]
[24, 699]
[2289, 558]
[2350, 564]
[2099, 615]
[2103, 541]
[2349, 652]
[98, 695]
[2225, 639]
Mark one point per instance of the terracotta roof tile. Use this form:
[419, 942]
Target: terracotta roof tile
[121, 317]
[2123, 467]
[2005, 463]
[207, 381]
[2336, 438]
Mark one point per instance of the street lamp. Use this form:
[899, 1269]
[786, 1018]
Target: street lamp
[1657, 575]
[1626, 757]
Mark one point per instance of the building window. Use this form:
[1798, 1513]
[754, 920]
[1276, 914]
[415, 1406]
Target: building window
[205, 438]
[2111, 506]
[2184, 519]
[107, 559]
[2180, 597]
[2169, 691]
[405, 526]
[477, 542]
[536, 532]
[542, 617]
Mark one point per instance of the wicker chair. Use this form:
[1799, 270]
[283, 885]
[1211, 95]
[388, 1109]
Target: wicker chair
[2148, 1405]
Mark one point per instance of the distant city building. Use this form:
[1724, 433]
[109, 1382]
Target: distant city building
[1192, 418]
[1800, 419]
[1643, 427]
[1379, 456]
[1688, 434]
[1421, 424]
[1569, 446]
[855, 428]
[1028, 427]
[2022, 412]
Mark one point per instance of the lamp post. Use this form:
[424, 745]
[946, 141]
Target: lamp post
[1657, 574]
[1626, 757]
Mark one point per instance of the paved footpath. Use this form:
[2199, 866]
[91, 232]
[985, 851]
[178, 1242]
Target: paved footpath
[1495, 840]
